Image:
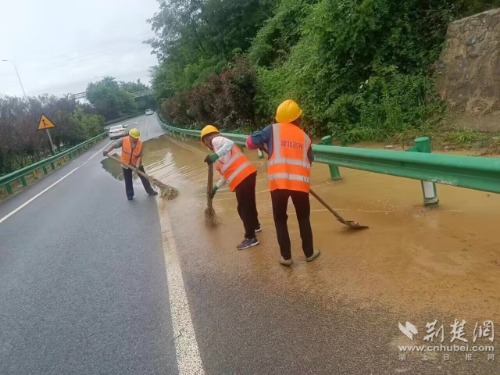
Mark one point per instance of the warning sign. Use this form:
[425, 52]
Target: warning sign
[45, 123]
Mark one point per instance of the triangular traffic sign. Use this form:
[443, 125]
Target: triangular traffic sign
[45, 123]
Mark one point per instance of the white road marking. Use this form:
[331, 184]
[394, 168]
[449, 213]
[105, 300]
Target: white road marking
[50, 187]
[186, 347]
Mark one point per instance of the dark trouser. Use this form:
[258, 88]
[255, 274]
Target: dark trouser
[300, 200]
[129, 187]
[247, 207]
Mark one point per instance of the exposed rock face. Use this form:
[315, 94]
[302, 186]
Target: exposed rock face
[468, 70]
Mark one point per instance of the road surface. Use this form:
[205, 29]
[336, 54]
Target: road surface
[91, 283]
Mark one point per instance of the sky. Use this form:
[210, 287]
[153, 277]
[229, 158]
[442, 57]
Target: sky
[59, 46]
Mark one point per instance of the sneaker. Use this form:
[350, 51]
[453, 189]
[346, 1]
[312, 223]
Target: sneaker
[286, 262]
[247, 242]
[153, 193]
[258, 229]
[313, 256]
[130, 198]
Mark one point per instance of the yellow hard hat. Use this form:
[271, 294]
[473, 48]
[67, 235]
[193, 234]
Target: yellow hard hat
[288, 111]
[134, 133]
[209, 129]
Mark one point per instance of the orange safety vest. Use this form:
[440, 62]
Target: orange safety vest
[130, 156]
[236, 169]
[289, 167]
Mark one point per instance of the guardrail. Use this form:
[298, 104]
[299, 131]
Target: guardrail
[21, 174]
[239, 139]
[471, 172]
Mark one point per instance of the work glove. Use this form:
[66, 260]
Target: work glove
[105, 153]
[211, 195]
[210, 159]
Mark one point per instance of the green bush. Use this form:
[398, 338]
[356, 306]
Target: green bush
[360, 69]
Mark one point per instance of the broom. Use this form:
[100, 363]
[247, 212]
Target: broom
[166, 191]
[210, 216]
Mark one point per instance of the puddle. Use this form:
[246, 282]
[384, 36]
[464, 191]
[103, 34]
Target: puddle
[113, 167]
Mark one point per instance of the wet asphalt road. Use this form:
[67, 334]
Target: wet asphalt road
[82, 278]
[83, 290]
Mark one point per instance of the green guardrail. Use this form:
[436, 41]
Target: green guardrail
[418, 163]
[20, 174]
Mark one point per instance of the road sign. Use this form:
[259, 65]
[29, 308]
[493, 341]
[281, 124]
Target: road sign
[45, 123]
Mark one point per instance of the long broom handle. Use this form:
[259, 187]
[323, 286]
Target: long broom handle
[139, 172]
[130, 166]
[210, 183]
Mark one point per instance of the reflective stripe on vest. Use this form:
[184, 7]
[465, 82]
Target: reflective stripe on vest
[128, 155]
[225, 166]
[289, 166]
[287, 176]
[300, 163]
[236, 169]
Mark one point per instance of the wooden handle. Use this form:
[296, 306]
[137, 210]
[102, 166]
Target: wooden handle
[141, 173]
[210, 183]
[339, 218]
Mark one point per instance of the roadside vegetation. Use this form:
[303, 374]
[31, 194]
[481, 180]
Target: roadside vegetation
[75, 122]
[361, 69]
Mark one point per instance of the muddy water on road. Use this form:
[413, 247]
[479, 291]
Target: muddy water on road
[411, 260]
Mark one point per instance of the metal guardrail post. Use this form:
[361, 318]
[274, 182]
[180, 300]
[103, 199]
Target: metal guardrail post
[334, 170]
[423, 144]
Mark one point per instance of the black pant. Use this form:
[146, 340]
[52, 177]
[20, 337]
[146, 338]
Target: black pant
[247, 207]
[129, 187]
[300, 200]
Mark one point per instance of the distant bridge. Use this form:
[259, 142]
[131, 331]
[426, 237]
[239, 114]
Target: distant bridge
[137, 94]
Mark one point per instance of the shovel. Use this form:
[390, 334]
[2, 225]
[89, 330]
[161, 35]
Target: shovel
[349, 223]
[166, 190]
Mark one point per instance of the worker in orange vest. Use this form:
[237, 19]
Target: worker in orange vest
[131, 155]
[240, 174]
[288, 171]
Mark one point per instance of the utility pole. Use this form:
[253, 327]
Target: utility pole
[26, 98]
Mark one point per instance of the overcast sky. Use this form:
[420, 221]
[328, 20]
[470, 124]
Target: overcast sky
[59, 46]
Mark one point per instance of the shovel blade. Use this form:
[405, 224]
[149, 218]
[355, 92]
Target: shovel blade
[354, 224]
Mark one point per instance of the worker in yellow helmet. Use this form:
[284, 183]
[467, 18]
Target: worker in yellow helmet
[131, 155]
[288, 171]
[241, 176]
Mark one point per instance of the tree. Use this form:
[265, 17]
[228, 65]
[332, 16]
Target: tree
[109, 99]
[359, 68]
[23, 144]
[142, 102]
[196, 38]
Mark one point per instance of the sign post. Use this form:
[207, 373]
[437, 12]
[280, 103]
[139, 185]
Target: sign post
[46, 124]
